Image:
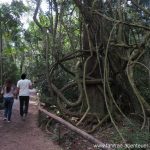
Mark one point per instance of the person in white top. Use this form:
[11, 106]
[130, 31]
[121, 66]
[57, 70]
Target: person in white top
[24, 85]
[8, 92]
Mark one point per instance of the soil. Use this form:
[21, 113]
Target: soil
[24, 135]
[27, 135]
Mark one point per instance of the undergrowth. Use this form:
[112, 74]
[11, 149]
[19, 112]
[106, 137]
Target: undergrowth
[135, 137]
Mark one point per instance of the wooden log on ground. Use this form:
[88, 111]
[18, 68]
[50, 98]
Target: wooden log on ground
[77, 130]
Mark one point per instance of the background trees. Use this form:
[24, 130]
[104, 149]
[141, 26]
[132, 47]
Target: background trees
[11, 42]
[93, 52]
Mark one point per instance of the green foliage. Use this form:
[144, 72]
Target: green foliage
[145, 3]
[142, 80]
[18, 8]
[44, 20]
[133, 134]
[11, 28]
[67, 40]
[11, 70]
[33, 34]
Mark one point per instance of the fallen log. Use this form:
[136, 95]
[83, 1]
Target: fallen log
[85, 135]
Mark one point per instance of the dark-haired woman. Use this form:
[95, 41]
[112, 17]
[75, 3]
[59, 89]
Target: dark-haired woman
[8, 92]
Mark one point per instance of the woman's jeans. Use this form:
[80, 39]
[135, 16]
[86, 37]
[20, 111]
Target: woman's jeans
[8, 103]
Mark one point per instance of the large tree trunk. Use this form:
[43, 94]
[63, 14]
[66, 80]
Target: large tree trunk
[95, 40]
[92, 42]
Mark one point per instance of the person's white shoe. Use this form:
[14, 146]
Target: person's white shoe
[23, 118]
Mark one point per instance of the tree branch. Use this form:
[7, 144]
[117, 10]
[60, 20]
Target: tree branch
[35, 15]
[140, 7]
[75, 129]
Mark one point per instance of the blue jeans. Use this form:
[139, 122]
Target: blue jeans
[8, 103]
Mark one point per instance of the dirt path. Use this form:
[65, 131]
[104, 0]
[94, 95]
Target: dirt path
[24, 135]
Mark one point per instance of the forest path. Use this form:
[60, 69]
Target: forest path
[24, 135]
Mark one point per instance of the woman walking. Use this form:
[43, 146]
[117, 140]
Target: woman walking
[8, 92]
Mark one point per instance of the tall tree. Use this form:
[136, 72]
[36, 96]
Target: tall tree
[10, 35]
[100, 43]
[108, 36]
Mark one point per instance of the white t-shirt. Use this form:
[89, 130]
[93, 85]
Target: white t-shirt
[23, 86]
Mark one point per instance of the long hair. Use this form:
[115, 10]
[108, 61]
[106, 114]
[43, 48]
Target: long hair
[8, 85]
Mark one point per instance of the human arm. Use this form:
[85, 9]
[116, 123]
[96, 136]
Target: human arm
[17, 88]
[15, 91]
[2, 92]
[30, 85]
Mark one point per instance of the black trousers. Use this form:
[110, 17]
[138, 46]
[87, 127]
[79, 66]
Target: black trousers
[24, 104]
